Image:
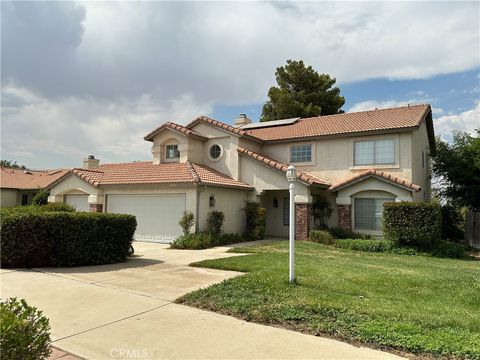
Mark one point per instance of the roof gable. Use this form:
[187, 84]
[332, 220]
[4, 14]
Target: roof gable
[170, 126]
[148, 173]
[277, 165]
[222, 126]
[381, 175]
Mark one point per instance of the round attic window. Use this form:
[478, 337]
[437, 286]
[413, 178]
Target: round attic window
[215, 151]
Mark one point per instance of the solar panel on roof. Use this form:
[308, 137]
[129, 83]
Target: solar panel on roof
[270, 123]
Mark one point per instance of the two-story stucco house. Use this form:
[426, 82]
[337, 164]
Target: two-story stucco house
[357, 161]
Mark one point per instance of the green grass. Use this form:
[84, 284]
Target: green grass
[417, 304]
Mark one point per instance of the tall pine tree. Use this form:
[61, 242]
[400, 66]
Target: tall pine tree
[301, 92]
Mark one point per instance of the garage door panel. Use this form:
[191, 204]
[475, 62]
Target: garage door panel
[157, 215]
[78, 202]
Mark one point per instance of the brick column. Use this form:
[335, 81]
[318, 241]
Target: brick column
[345, 216]
[96, 207]
[302, 221]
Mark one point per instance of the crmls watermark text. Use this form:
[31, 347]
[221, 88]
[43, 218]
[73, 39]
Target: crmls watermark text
[128, 353]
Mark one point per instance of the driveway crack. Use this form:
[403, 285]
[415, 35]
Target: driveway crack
[111, 322]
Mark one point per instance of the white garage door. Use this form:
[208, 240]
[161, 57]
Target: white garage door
[79, 202]
[157, 215]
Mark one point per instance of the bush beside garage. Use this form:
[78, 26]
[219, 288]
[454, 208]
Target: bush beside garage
[34, 237]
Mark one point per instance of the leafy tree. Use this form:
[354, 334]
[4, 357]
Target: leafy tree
[11, 164]
[40, 197]
[458, 167]
[301, 92]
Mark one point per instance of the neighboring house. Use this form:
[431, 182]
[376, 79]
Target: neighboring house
[357, 161]
[18, 186]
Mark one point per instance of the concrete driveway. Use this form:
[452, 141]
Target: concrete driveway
[125, 311]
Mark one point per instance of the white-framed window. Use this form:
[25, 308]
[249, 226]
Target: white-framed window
[301, 153]
[369, 213]
[171, 152]
[374, 152]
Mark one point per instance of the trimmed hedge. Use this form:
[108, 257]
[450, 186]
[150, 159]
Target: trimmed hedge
[204, 240]
[24, 331]
[321, 237]
[442, 249]
[341, 233]
[50, 207]
[38, 239]
[412, 224]
[364, 245]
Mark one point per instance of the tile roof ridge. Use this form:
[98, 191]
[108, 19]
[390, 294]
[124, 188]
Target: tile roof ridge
[381, 174]
[89, 170]
[193, 172]
[279, 165]
[367, 111]
[127, 163]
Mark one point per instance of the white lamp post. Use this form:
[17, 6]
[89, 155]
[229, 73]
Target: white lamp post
[292, 177]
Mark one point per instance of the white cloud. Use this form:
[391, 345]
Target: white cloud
[95, 76]
[374, 104]
[46, 133]
[467, 121]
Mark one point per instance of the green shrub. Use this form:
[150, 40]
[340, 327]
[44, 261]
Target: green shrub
[321, 237]
[448, 249]
[204, 240]
[453, 223]
[364, 245]
[186, 222]
[39, 239]
[341, 233]
[50, 207]
[215, 221]
[256, 220]
[412, 224]
[25, 332]
[40, 198]
[321, 210]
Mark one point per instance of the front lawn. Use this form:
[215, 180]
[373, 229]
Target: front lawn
[414, 303]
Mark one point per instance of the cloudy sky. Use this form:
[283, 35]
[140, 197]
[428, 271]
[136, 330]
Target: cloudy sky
[82, 78]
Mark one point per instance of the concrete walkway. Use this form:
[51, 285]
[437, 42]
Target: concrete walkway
[125, 311]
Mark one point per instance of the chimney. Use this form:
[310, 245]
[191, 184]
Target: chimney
[242, 120]
[90, 162]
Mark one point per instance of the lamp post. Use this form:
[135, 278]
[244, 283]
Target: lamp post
[291, 177]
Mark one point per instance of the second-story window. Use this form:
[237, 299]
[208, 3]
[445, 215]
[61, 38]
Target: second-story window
[301, 153]
[374, 152]
[171, 152]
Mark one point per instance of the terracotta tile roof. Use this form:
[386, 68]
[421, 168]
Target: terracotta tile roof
[354, 122]
[375, 173]
[264, 159]
[176, 127]
[29, 179]
[207, 175]
[223, 126]
[148, 173]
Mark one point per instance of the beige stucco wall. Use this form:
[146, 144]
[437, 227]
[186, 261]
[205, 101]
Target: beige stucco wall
[8, 198]
[74, 185]
[189, 147]
[333, 157]
[421, 174]
[275, 226]
[229, 201]
[263, 178]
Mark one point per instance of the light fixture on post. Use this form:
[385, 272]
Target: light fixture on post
[291, 177]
